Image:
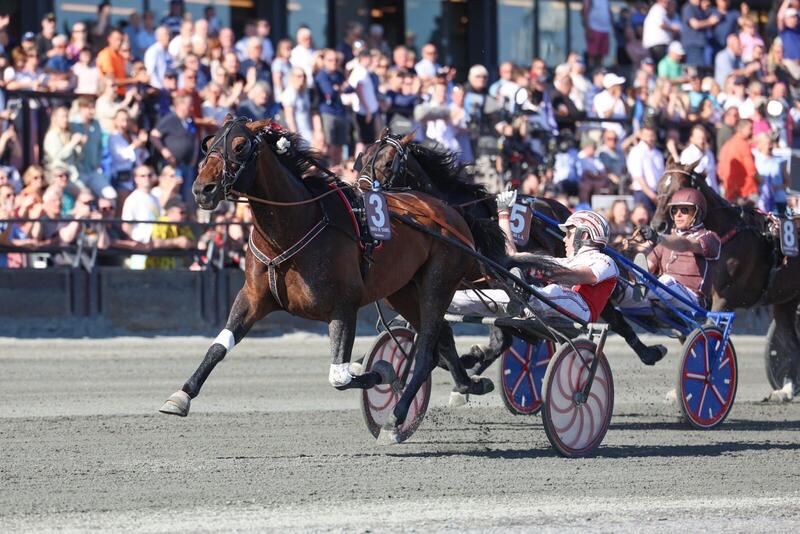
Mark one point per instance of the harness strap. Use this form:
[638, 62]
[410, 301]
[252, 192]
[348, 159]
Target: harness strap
[730, 234]
[274, 263]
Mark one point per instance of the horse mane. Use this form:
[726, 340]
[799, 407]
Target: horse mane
[301, 160]
[446, 174]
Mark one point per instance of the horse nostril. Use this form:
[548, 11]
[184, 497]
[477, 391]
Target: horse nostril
[209, 189]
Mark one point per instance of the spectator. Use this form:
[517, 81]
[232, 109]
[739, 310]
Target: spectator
[330, 85]
[728, 127]
[111, 62]
[169, 186]
[253, 68]
[303, 53]
[749, 39]
[352, 33]
[697, 22]
[146, 36]
[434, 115]
[78, 40]
[659, 31]
[698, 149]
[46, 230]
[175, 139]
[214, 109]
[640, 215]
[297, 110]
[157, 58]
[670, 65]
[90, 155]
[773, 174]
[737, 170]
[593, 176]
[181, 43]
[214, 24]
[87, 75]
[790, 37]
[241, 45]
[566, 112]
[174, 18]
[365, 105]
[427, 67]
[597, 25]
[376, 41]
[461, 124]
[62, 145]
[619, 222]
[263, 29]
[171, 236]
[57, 57]
[44, 39]
[106, 105]
[726, 25]
[127, 151]
[257, 105]
[140, 205]
[613, 159]
[34, 184]
[728, 61]
[608, 104]
[645, 166]
[401, 99]
[399, 58]
[280, 68]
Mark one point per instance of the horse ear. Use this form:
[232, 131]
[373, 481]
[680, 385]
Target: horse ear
[228, 118]
[691, 167]
[385, 133]
[408, 138]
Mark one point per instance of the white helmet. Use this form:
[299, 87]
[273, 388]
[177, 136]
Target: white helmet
[590, 222]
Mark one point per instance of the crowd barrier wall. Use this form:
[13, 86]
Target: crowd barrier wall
[164, 302]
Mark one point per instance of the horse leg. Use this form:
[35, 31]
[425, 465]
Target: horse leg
[245, 312]
[499, 341]
[342, 333]
[446, 348]
[786, 331]
[617, 322]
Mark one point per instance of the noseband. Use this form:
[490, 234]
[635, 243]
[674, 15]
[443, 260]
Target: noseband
[234, 162]
[397, 168]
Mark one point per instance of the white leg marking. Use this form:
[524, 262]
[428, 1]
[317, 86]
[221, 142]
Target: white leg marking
[339, 374]
[226, 339]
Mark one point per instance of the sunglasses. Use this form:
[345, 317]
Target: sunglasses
[685, 210]
[148, 175]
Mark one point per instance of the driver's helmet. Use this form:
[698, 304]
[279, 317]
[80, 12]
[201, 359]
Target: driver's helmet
[594, 224]
[690, 197]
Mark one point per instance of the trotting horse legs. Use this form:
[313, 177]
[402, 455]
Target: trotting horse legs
[342, 332]
[244, 313]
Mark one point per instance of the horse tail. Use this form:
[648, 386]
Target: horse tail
[489, 238]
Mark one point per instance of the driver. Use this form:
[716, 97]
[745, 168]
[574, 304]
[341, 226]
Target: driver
[581, 283]
[681, 259]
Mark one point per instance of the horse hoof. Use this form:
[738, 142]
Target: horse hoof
[652, 355]
[457, 399]
[481, 386]
[177, 404]
[671, 397]
[785, 394]
[388, 436]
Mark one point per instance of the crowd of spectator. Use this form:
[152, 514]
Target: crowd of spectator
[122, 109]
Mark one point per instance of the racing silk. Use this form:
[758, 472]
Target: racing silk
[687, 268]
[595, 295]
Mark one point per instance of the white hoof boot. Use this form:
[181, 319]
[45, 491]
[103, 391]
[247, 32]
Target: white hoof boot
[785, 394]
[388, 437]
[457, 399]
[177, 404]
[671, 397]
[356, 369]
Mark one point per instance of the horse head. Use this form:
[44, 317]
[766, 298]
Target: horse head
[229, 163]
[385, 160]
[676, 177]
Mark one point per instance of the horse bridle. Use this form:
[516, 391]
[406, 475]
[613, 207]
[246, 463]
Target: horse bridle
[397, 168]
[222, 149]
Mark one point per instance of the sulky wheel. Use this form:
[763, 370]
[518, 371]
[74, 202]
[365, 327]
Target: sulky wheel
[707, 378]
[575, 425]
[778, 357]
[378, 402]
[522, 369]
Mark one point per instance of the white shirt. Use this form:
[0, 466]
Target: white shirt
[653, 34]
[267, 51]
[157, 61]
[141, 206]
[603, 103]
[707, 164]
[123, 154]
[647, 163]
[600, 16]
[426, 68]
[361, 78]
[304, 58]
[602, 266]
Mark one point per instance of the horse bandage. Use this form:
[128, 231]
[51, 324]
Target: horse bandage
[226, 339]
[339, 374]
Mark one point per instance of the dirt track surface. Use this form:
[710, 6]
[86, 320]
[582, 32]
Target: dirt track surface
[269, 445]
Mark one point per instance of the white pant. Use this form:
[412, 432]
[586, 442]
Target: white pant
[494, 303]
[630, 300]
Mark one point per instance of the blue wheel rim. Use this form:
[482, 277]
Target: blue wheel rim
[523, 368]
[708, 379]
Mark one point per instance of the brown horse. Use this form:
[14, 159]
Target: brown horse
[750, 270]
[299, 262]
[399, 162]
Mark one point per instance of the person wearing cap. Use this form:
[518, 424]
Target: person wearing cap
[696, 24]
[608, 104]
[680, 259]
[670, 65]
[581, 283]
[44, 39]
[737, 168]
[789, 27]
[171, 236]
